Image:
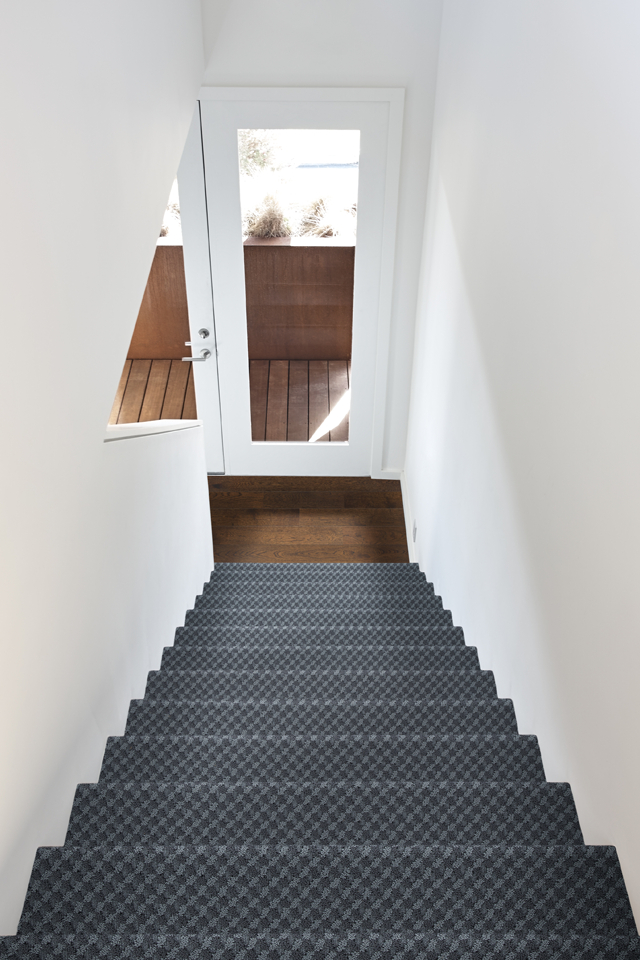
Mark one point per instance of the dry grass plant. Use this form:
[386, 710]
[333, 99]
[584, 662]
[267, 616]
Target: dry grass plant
[268, 220]
[170, 219]
[322, 218]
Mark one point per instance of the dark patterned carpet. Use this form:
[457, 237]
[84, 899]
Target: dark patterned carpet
[321, 770]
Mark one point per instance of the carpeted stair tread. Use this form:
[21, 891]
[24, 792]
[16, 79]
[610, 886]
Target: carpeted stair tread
[272, 632]
[296, 656]
[323, 947]
[310, 889]
[217, 717]
[187, 758]
[382, 616]
[332, 684]
[344, 813]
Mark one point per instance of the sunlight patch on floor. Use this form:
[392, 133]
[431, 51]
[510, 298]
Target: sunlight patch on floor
[335, 418]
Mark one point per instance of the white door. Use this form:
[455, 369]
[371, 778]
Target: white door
[377, 115]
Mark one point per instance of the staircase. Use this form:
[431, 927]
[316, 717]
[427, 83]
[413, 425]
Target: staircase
[321, 770]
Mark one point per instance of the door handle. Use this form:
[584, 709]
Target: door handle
[204, 355]
[204, 333]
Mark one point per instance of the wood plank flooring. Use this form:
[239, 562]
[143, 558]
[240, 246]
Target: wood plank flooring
[154, 390]
[290, 399]
[307, 520]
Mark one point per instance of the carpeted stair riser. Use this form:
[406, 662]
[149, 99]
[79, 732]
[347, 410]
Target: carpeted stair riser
[237, 759]
[311, 889]
[343, 813]
[309, 599]
[368, 607]
[317, 657]
[255, 574]
[396, 615]
[293, 717]
[324, 947]
[330, 684]
[272, 633]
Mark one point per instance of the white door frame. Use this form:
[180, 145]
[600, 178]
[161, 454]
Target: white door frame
[197, 273]
[381, 111]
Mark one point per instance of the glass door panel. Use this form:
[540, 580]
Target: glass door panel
[298, 205]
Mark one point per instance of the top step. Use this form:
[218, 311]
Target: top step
[266, 573]
[235, 567]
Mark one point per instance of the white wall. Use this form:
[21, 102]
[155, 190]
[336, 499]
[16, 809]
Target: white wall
[342, 43]
[523, 465]
[95, 100]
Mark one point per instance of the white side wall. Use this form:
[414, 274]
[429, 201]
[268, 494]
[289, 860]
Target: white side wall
[523, 465]
[350, 43]
[102, 547]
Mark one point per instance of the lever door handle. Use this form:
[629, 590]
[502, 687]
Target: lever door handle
[204, 355]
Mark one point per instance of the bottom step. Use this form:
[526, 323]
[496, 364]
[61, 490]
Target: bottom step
[325, 948]
[308, 890]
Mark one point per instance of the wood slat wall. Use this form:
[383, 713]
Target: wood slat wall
[162, 327]
[154, 390]
[290, 399]
[299, 301]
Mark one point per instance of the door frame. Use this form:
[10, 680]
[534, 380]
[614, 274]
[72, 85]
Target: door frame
[393, 99]
[197, 272]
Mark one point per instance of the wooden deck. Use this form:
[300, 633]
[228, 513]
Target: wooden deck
[155, 390]
[307, 520]
[290, 399]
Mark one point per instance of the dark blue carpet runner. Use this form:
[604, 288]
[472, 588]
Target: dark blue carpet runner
[321, 770]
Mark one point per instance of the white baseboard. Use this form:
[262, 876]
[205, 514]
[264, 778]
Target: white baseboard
[386, 475]
[408, 519]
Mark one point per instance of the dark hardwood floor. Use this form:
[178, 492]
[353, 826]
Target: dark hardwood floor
[307, 520]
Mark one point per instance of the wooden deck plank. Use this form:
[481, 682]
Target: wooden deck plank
[117, 403]
[156, 389]
[277, 400]
[312, 389]
[176, 389]
[134, 391]
[338, 386]
[189, 411]
[258, 383]
[298, 417]
[318, 395]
